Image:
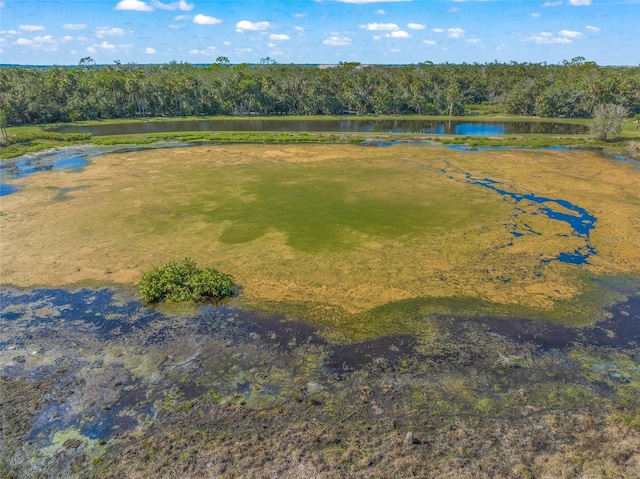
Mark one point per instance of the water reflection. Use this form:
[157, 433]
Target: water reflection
[443, 127]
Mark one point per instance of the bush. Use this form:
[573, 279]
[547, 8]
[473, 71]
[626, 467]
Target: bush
[184, 281]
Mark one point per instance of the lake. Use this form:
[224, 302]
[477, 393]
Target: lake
[440, 127]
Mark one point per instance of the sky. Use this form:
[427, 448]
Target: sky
[61, 32]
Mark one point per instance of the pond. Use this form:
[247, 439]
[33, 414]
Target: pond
[439, 127]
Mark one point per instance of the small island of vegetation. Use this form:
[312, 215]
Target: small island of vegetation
[184, 281]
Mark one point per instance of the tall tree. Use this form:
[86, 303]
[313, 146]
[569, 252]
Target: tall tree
[607, 120]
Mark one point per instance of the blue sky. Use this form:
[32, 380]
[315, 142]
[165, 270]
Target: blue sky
[319, 31]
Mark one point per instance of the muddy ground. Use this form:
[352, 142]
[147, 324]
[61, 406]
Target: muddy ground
[96, 385]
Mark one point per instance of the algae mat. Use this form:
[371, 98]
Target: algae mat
[341, 228]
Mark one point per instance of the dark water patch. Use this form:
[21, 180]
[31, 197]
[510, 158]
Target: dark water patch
[621, 329]
[479, 148]
[240, 325]
[392, 350]
[6, 189]
[74, 308]
[379, 143]
[96, 421]
[623, 159]
[28, 165]
[72, 158]
[440, 127]
[580, 220]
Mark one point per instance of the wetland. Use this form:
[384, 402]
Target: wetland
[412, 310]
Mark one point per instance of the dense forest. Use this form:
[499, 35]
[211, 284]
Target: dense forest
[90, 92]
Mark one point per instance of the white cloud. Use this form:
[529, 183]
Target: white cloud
[395, 50]
[106, 46]
[375, 27]
[299, 15]
[336, 41]
[551, 4]
[2, 4]
[180, 5]
[210, 51]
[429, 42]
[226, 43]
[299, 29]
[113, 31]
[150, 51]
[243, 50]
[74, 26]
[45, 43]
[546, 38]
[279, 37]
[91, 50]
[592, 29]
[380, 12]
[377, 37]
[67, 38]
[398, 34]
[31, 28]
[569, 34]
[473, 40]
[136, 5]
[438, 30]
[243, 25]
[453, 10]
[415, 26]
[455, 32]
[535, 15]
[579, 3]
[201, 19]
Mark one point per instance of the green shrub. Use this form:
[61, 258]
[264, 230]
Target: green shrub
[184, 281]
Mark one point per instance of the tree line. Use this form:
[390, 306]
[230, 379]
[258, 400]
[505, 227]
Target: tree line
[90, 92]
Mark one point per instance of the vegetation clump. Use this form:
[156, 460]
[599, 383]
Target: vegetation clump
[184, 281]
